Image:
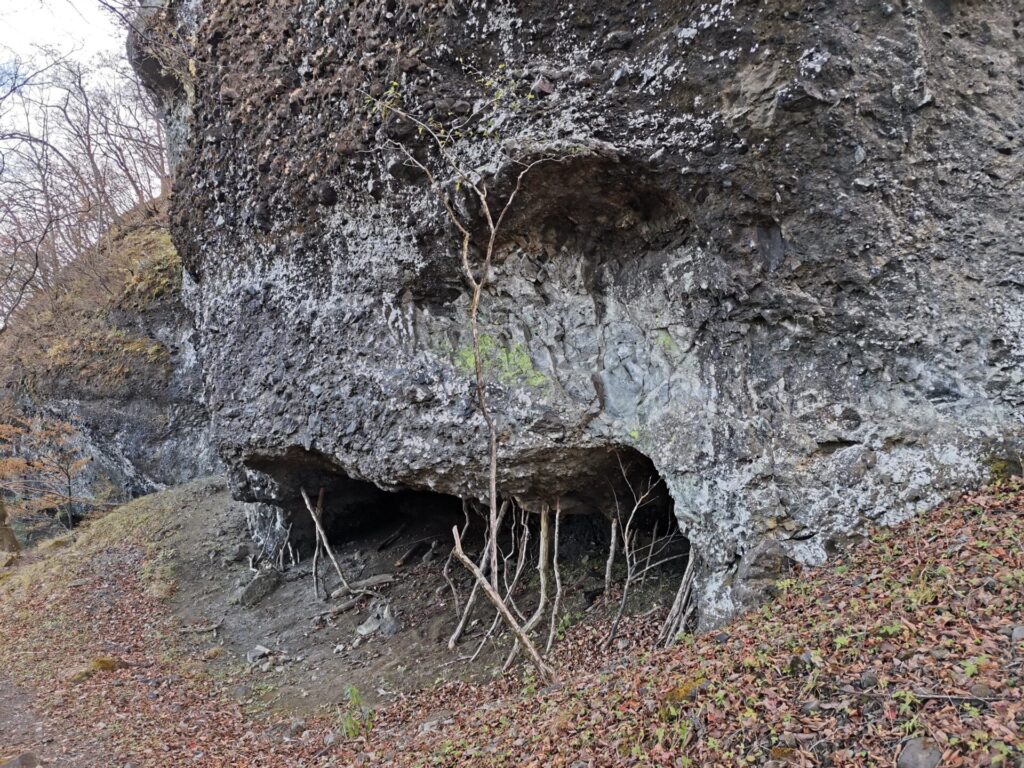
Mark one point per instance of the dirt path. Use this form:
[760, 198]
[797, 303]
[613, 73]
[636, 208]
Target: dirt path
[23, 730]
[20, 730]
[85, 640]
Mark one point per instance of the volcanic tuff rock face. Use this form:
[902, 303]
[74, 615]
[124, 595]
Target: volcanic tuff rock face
[779, 252]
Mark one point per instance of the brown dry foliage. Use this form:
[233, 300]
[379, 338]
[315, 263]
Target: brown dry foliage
[40, 463]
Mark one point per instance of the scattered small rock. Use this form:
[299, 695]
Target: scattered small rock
[1017, 635]
[368, 627]
[257, 653]
[389, 625]
[869, 679]
[435, 721]
[238, 554]
[811, 707]
[981, 691]
[431, 554]
[381, 619]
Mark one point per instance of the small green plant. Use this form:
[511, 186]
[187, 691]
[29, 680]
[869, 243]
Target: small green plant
[969, 710]
[891, 630]
[354, 720]
[908, 702]
[972, 665]
[566, 622]
[530, 685]
[911, 727]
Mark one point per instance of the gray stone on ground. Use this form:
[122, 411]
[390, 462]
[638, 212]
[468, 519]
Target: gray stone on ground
[920, 753]
[869, 679]
[257, 653]
[25, 760]
[389, 625]
[381, 619]
[263, 585]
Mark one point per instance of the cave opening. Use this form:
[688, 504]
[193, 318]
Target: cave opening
[614, 552]
[602, 494]
[620, 487]
[352, 508]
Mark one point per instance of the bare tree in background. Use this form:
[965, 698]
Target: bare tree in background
[80, 146]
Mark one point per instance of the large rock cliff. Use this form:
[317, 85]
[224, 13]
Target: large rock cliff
[778, 252]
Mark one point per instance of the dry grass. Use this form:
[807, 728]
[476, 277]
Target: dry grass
[77, 337]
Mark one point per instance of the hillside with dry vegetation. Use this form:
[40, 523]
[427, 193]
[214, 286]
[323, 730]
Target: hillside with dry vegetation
[89, 336]
[104, 362]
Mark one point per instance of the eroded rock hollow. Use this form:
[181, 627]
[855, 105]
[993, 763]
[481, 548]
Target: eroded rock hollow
[780, 253]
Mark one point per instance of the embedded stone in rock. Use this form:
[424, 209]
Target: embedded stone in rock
[542, 87]
[326, 195]
[620, 38]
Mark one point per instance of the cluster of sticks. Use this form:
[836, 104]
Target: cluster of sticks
[500, 590]
[356, 590]
[643, 559]
[499, 584]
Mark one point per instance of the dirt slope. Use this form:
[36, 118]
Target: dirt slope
[914, 643]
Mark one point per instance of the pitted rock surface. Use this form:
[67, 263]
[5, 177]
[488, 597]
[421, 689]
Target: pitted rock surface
[779, 253]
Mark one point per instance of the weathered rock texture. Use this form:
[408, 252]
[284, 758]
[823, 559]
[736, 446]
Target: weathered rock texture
[781, 254]
[115, 358]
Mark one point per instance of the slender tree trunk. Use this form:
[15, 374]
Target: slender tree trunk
[558, 580]
[611, 557]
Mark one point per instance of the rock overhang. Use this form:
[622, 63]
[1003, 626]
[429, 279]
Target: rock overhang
[759, 266]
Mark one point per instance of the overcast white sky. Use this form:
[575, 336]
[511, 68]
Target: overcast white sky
[70, 25]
